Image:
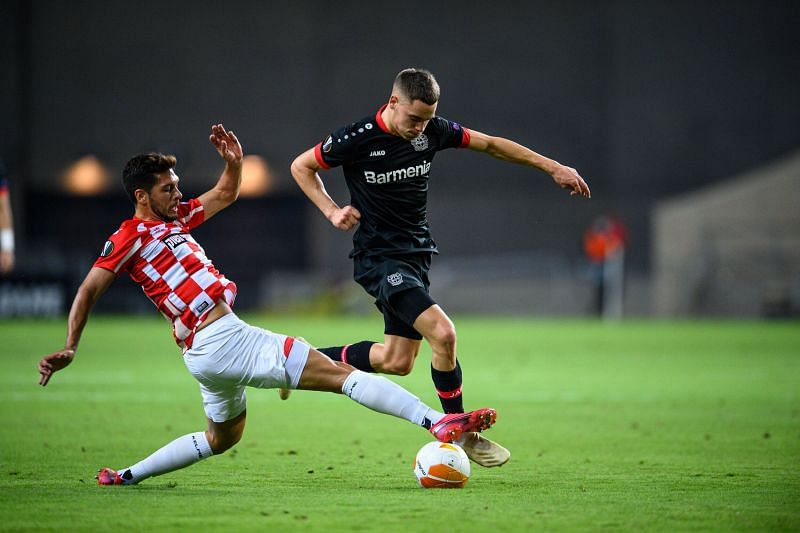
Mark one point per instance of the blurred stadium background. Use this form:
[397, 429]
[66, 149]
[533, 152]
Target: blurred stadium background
[682, 116]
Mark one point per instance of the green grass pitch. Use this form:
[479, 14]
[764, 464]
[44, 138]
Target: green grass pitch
[667, 426]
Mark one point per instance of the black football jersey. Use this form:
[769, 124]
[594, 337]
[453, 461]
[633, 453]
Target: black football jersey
[388, 180]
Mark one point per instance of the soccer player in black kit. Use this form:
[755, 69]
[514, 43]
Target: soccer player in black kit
[386, 159]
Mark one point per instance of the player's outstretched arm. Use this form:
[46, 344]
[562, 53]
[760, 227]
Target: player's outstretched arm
[564, 176]
[304, 170]
[226, 191]
[93, 286]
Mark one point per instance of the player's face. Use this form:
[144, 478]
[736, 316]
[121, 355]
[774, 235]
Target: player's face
[411, 118]
[165, 196]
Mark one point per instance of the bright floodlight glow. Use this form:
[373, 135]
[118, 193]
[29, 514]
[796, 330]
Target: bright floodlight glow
[256, 176]
[86, 177]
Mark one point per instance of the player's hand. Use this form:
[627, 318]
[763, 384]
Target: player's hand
[345, 218]
[227, 144]
[53, 363]
[568, 178]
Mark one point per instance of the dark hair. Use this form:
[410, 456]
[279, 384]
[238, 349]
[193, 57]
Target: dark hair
[418, 84]
[141, 172]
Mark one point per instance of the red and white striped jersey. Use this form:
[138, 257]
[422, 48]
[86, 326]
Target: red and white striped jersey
[171, 268]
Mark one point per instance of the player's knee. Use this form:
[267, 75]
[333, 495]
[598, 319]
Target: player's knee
[444, 336]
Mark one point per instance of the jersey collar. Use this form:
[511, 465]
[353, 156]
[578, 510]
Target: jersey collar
[380, 122]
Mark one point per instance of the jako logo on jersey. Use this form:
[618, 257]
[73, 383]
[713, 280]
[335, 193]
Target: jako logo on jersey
[397, 175]
[108, 247]
[395, 279]
[326, 146]
[377, 153]
[175, 240]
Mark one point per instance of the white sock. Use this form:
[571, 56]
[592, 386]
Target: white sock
[180, 453]
[385, 396]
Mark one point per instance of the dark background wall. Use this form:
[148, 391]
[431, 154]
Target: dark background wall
[646, 99]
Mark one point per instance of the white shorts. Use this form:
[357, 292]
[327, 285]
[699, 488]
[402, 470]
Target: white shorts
[229, 355]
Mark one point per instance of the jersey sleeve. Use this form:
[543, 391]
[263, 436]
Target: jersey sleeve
[191, 214]
[337, 149]
[451, 134]
[119, 250]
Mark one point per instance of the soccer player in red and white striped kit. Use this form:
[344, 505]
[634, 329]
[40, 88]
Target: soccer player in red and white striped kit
[222, 352]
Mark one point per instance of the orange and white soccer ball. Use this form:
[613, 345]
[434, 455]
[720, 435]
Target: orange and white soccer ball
[441, 465]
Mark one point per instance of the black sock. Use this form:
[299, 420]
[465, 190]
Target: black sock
[448, 387]
[334, 352]
[356, 354]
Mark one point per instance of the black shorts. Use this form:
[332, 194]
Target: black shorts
[400, 288]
